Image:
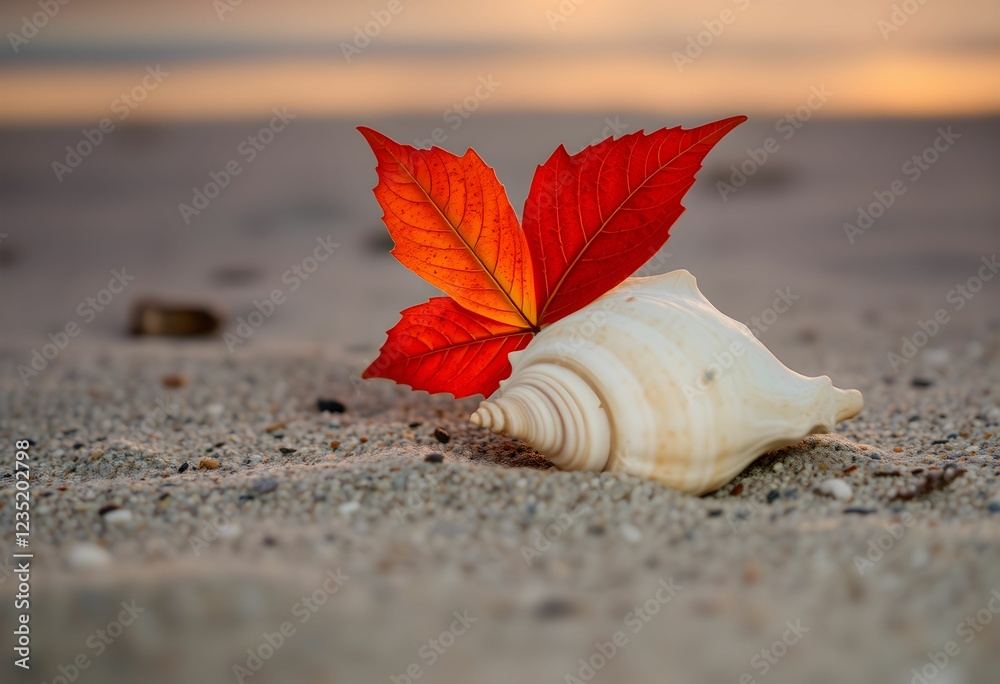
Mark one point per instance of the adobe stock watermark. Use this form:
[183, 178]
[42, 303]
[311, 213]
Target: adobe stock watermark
[459, 112]
[224, 7]
[248, 150]
[724, 360]
[293, 277]
[543, 538]
[604, 651]
[220, 527]
[87, 310]
[699, 42]
[414, 502]
[432, 649]
[882, 543]
[563, 11]
[914, 169]
[768, 657]
[31, 26]
[122, 106]
[587, 328]
[900, 14]
[957, 297]
[302, 612]
[97, 643]
[612, 128]
[968, 629]
[156, 416]
[786, 126]
[365, 33]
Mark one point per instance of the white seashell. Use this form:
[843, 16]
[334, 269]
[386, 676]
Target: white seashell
[652, 380]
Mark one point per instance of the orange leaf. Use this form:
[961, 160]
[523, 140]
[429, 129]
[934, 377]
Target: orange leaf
[440, 347]
[453, 226]
[592, 219]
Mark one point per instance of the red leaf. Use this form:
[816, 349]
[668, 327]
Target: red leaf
[454, 227]
[440, 347]
[592, 219]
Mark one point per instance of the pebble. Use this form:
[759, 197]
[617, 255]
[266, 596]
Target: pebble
[230, 531]
[349, 507]
[434, 458]
[441, 435]
[150, 317]
[836, 488]
[264, 485]
[860, 510]
[331, 405]
[287, 450]
[630, 533]
[938, 357]
[208, 464]
[88, 557]
[184, 466]
[118, 517]
[993, 506]
[553, 609]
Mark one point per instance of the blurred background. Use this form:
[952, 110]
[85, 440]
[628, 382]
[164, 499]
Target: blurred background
[192, 166]
[118, 119]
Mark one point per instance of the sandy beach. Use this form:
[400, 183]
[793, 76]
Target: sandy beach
[195, 516]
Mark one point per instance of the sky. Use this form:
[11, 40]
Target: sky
[222, 59]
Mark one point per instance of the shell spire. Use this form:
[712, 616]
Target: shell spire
[555, 411]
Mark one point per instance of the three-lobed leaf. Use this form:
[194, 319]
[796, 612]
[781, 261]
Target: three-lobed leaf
[590, 221]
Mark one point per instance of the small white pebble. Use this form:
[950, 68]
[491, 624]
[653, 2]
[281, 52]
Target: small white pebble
[215, 410]
[119, 517]
[971, 449]
[939, 357]
[836, 488]
[778, 467]
[230, 531]
[349, 507]
[88, 557]
[630, 533]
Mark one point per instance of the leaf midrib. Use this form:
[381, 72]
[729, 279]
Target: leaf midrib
[600, 230]
[528, 324]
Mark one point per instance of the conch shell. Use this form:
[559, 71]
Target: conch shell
[652, 380]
